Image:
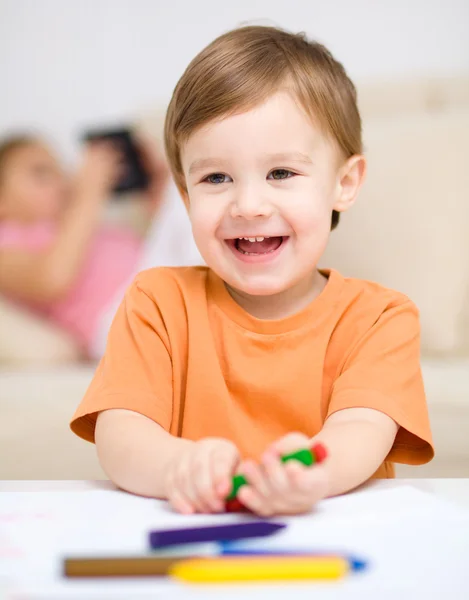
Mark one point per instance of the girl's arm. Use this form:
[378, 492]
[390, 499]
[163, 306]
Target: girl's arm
[158, 173]
[48, 275]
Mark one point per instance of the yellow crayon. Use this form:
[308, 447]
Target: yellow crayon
[259, 568]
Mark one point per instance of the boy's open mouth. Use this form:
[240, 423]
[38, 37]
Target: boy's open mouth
[255, 246]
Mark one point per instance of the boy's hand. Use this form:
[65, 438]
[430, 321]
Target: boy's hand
[276, 488]
[202, 478]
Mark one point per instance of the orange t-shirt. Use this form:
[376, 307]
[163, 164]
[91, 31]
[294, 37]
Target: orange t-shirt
[183, 353]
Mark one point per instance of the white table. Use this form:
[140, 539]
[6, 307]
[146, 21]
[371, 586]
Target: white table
[454, 490]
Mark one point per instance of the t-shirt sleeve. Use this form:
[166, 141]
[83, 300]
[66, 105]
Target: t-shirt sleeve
[135, 372]
[383, 372]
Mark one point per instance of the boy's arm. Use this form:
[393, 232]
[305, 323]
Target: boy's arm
[358, 441]
[143, 458]
[135, 452]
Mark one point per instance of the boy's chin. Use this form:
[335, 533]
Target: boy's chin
[261, 286]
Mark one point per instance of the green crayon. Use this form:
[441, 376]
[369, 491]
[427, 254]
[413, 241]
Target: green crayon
[306, 456]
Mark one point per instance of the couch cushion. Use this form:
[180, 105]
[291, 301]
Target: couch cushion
[27, 339]
[36, 407]
[409, 228]
[35, 438]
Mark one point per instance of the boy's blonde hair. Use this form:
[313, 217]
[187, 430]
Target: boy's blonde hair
[242, 68]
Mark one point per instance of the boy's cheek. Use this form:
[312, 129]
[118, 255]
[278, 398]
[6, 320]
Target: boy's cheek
[314, 224]
[205, 223]
[203, 234]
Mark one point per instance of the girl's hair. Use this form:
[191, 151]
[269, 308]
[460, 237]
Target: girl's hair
[242, 68]
[10, 145]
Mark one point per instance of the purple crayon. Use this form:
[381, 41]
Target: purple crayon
[213, 533]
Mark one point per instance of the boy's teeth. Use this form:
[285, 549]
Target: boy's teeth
[253, 239]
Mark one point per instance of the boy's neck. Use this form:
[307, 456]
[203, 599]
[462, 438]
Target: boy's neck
[283, 304]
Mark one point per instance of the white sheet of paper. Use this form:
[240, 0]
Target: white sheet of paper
[407, 535]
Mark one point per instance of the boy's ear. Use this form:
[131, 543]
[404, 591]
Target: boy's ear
[351, 177]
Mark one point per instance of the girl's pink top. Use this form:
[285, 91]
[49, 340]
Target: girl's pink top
[110, 262]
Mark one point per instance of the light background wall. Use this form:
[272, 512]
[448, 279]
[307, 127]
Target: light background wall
[66, 65]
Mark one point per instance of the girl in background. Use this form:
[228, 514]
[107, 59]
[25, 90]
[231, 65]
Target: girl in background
[57, 260]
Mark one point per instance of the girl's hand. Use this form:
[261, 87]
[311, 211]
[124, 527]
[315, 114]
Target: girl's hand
[100, 170]
[276, 488]
[156, 168]
[202, 479]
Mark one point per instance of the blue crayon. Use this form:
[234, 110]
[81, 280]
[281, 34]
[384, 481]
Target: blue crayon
[356, 564]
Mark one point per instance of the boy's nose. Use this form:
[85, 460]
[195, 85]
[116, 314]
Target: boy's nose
[249, 204]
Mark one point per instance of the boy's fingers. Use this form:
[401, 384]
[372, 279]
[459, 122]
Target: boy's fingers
[180, 504]
[184, 481]
[223, 488]
[202, 484]
[317, 480]
[222, 476]
[297, 497]
[298, 476]
[256, 478]
[290, 443]
[307, 483]
[255, 502]
[206, 484]
[175, 497]
[223, 468]
[276, 474]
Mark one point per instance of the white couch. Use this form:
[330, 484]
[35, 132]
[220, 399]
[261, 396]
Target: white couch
[36, 407]
[409, 230]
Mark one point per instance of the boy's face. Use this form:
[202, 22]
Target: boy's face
[269, 175]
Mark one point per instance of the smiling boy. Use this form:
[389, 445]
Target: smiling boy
[215, 370]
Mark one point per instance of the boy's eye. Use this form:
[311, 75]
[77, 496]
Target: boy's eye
[216, 178]
[280, 174]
